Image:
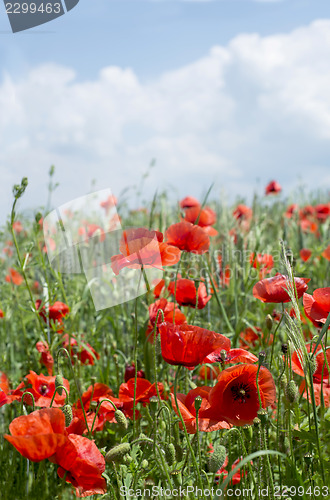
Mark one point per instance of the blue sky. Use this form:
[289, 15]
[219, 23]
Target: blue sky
[226, 91]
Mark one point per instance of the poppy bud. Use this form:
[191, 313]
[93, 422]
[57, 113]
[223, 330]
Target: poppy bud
[38, 217]
[291, 391]
[269, 322]
[169, 453]
[308, 459]
[217, 458]
[263, 416]
[247, 429]
[117, 453]
[121, 419]
[154, 403]
[179, 452]
[262, 357]
[256, 422]
[59, 382]
[313, 363]
[284, 348]
[144, 464]
[67, 410]
[283, 381]
[198, 403]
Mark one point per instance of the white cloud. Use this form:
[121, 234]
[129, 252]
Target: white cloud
[258, 107]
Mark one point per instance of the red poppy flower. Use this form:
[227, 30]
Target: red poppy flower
[140, 247]
[187, 409]
[158, 288]
[46, 358]
[201, 216]
[274, 289]
[17, 226]
[91, 230]
[235, 396]
[263, 262]
[317, 306]
[38, 435]
[232, 356]
[251, 336]
[242, 212]
[188, 202]
[56, 312]
[107, 204]
[188, 237]
[3, 398]
[318, 389]
[167, 308]
[82, 465]
[91, 399]
[326, 253]
[291, 210]
[188, 345]
[4, 382]
[204, 218]
[305, 254]
[273, 188]
[309, 226]
[185, 293]
[307, 211]
[84, 351]
[42, 388]
[1, 313]
[144, 391]
[14, 277]
[94, 393]
[322, 211]
[320, 361]
[237, 476]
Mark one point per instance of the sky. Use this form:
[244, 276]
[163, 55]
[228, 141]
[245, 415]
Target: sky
[235, 92]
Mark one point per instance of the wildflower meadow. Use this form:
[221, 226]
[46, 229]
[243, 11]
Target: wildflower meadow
[176, 349]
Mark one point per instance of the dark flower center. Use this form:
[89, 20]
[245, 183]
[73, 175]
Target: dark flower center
[240, 392]
[43, 389]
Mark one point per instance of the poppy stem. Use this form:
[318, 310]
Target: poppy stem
[274, 335]
[22, 400]
[23, 265]
[57, 390]
[258, 389]
[310, 373]
[218, 299]
[136, 334]
[62, 349]
[196, 467]
[97, 410]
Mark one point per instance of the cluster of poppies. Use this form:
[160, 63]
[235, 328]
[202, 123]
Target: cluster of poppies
[239, 391]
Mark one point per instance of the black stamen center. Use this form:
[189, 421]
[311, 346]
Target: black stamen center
[240, 392]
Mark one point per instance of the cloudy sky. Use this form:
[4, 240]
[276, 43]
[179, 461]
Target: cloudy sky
[235, 92]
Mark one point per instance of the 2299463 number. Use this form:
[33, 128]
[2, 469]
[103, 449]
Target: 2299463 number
[33, 8]
[286, 491]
